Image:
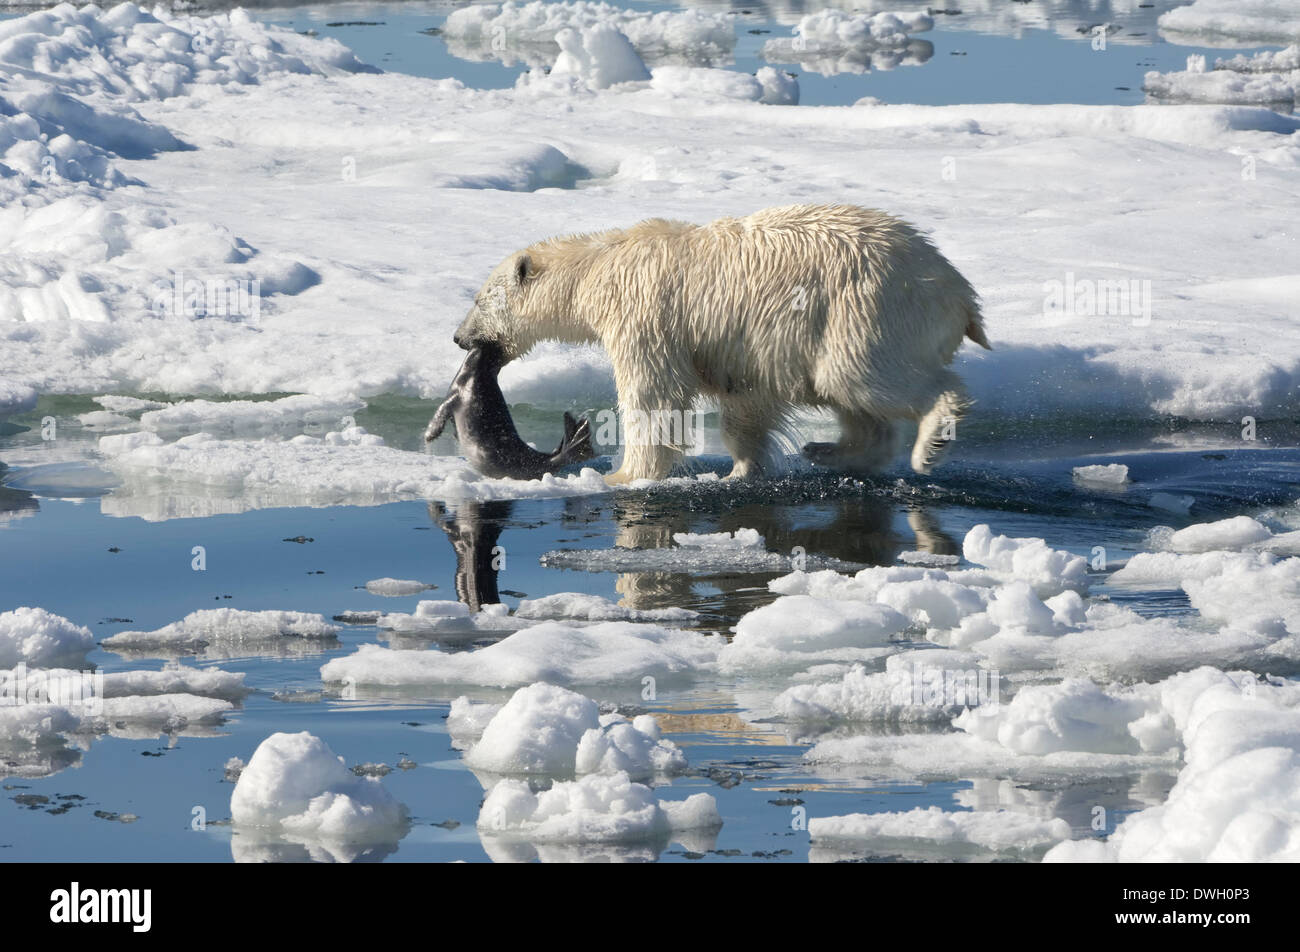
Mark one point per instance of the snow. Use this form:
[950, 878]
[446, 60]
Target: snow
[168, 711]
[295, 784]
[395, 587]
[1234, 533]
[1160, 568]
[635, 747]
[1224, 86]
[595, 808]
[916, 688]
[600, 56]
[226, 627]
[536, 731]
[582, 607]
[1000, 830]
[767, 85]
[544, 729]
[550, 651]
[344, 467]
[40, 638]
[15, 397]
[1050, 571]
[80, 257]
[1236, 21]
[798, 630]
[249, 416]
[173, 679]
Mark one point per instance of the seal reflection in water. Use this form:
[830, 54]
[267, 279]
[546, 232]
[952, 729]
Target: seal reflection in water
[486, 432]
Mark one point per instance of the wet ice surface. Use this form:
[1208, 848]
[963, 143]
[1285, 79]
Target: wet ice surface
[115, 574]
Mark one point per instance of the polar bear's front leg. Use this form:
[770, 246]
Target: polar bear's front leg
[746, 431]
[648, 410]
[646, 453]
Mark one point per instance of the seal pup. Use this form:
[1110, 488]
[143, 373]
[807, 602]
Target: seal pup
[486, 431]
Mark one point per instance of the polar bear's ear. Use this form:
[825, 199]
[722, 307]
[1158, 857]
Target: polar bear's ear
[523, 269]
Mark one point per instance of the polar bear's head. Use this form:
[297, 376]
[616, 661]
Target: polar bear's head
[531, 297]
[504, 312]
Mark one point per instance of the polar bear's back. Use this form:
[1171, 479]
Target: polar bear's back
[813, 301]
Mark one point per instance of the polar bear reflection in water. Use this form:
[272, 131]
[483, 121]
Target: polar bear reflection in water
[856, 530]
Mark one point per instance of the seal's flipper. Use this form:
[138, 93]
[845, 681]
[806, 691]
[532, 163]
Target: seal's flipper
[439, 421]
[576, 446]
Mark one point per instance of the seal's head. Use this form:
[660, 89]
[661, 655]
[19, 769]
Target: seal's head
[484, 357]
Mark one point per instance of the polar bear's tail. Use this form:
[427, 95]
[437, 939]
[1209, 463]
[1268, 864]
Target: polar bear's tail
[938, 426]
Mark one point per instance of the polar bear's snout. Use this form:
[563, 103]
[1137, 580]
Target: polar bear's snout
[469, 334]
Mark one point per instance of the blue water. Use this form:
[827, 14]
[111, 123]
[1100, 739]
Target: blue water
[59, 556]
[967, 65]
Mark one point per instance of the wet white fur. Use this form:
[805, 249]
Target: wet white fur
[830, 306]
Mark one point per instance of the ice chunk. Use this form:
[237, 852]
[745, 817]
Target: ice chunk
[799, 630]
[599, 55]
[999, 830]
[1238, 798]
[394, 587]
[443, 617]
[527, 31]
[595, 808]
[1235, 533]
[536, 731]
[550, 651]
[228, 626]
[1031, 560]
[548, 730]
[1108, 475]
[42, 639]
[582, 607]
[295, 784]
[916, 687]
[1156, 568]
[1241, 21]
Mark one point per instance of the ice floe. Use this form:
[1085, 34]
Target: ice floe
[577, 606]
[294, 786]
[544, 729]
[396, 587]
[227, 629]
[1000, 830]
[798, 630]
[348, 466]
[595, 808]
[698, 553]
[42, 639]
[834, 41]
[527, 32]
[549, 651]
[1240, 22]
[1235, 799]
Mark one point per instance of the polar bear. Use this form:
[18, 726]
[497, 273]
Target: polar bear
[826, 306]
